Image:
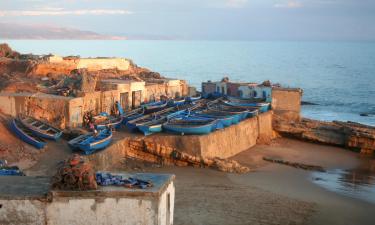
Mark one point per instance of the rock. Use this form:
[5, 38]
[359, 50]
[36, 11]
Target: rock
[364, 114]
[230, 166]
[308, 103]
[6, 51]
[345, 134]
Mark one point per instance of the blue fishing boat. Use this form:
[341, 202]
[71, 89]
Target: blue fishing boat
[193, 98]
[89, 143]
[26, 135]
[40, 128]
[219, 107]
[10, 171]
[103, 122]
[191, 126]
[154, 106]
[73, 144]
[177, 102]
[152, 123]
[132, 115]
[224, 118]
[262, 106]
[150, 127]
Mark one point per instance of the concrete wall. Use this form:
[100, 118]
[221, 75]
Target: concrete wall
[154, 92]
[286, 103]
[107, 205]
[208, 87]
[94, 64]
[159, 147]
[221, 143]
[82, 211]
[22, 211]
[255, 92]
[54, 109]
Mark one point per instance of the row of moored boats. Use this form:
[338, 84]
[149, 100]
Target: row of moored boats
[183, 116]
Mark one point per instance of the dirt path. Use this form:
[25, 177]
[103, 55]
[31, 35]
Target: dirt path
[49, 159]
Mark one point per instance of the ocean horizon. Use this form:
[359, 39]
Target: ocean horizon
[338, 77]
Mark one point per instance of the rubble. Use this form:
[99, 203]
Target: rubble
[164, 155]
[295, 164]
[75, 174]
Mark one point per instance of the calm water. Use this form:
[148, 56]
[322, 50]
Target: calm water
[340, 76]
[356, 183]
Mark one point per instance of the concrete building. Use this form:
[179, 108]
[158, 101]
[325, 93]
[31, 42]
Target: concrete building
[238, 89]
[252, 90]
[29, 201]
[131, 93]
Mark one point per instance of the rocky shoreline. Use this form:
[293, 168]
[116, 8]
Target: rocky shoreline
[350, 135]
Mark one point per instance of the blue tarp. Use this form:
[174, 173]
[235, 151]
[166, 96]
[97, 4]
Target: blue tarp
[107, 179]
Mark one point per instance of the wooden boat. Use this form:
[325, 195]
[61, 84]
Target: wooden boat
[190, 126]
[225, 118]
[219, 107]
[154, 106]
[109, 121]
[73, 144]
[244, 100]
[131, 115]
[263, 106]
[26, 135]
[40, 128]
[152, 123]
[193, 98]
[179, 101]
[90, 143]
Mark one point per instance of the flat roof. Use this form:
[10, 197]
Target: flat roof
[25, 187]
[159, 181]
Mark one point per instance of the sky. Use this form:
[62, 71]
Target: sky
[203, 19]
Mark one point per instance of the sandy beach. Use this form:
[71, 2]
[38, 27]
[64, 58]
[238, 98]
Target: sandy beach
[271, 193]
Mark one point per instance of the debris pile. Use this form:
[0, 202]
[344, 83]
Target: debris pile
[230, 166]
[106, 179]
[75, 174]
[295, 164]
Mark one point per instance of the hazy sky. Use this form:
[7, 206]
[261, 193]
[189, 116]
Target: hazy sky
[204, 19]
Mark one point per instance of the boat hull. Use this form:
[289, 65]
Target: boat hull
[148, 130]
[205, 129]
[39, 132]
[20, 132]
[93, 144]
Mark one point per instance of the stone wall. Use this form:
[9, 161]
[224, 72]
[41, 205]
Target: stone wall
[160, 148]
[95, 64]
[41, 106]
[56, 67]
[286, 103]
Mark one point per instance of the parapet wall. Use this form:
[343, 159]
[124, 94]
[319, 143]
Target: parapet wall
[67, 65]
[286, 103]
[95, 64]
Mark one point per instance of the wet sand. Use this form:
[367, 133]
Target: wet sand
[272, 193]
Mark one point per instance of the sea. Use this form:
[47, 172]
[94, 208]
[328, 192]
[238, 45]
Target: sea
[338, 78]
